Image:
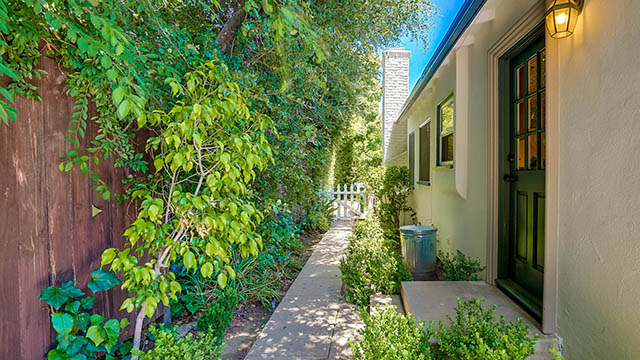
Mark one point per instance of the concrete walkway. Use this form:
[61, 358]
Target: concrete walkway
[313, 321]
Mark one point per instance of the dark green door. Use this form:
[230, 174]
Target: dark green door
[526, 177]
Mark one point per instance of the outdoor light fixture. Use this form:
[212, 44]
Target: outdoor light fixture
[562, 16]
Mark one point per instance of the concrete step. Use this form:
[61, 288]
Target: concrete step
[434, 300]
[382, 300]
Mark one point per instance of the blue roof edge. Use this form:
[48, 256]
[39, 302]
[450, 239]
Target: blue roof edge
[460, 23]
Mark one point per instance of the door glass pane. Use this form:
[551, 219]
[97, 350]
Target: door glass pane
[520, 118]
[521, 153]
[543, 150]
[542, 109]
[532, 66]
[533, 151]
[533, 113]
[543, 69]
[520, 82]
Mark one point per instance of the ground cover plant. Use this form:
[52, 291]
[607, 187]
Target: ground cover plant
[474, 333]
[205, 347]
[80, 334]
[459, 267]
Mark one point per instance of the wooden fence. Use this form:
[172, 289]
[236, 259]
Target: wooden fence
[349, 200]
[48, 235]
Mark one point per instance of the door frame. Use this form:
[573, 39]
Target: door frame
[497, 202]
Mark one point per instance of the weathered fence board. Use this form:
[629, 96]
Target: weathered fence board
[48, 235]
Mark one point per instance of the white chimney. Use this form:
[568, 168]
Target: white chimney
[395, 91]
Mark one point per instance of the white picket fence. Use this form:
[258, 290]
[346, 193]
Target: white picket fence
[348, 200]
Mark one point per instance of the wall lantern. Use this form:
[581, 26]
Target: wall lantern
[562, 16]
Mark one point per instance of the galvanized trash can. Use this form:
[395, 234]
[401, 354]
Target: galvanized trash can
[419, 250]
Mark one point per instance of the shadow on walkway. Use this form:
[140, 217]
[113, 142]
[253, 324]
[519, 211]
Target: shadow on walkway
[313, 321]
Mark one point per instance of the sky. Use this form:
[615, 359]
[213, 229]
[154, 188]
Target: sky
[419, 55]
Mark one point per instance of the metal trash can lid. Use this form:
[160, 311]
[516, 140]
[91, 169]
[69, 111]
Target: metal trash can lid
[417, 229]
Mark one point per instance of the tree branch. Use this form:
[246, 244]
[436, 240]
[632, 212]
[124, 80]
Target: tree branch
[228, 33]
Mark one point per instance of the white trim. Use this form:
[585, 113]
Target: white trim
[424, 123]
[533, 18]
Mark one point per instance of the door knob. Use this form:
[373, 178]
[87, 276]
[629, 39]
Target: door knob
[509, 178]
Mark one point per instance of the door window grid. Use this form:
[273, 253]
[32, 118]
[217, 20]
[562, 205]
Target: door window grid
[529, 113]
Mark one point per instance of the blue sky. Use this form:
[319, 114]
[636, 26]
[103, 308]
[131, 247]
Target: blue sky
[419, 55]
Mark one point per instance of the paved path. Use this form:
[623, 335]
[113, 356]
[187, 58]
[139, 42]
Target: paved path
[313, 321]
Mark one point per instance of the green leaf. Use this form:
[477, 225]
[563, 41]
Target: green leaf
[207, 270]
[83, 44]
[158, 163]
[92, 50]
[189, 260]
[267, 7]
[124, 108]
[5, 70]
[56, 297]
[56, 354]
[87, 303]
[95, 211]
[72, 307]
[105, 61]
[118, 95]
[112, 329]
[62, 323]
[124, 322]
[96, 319]
[95, 335]
[82, 320]
[103, 280]
[222, 280]
[107, 256]
[150, 307]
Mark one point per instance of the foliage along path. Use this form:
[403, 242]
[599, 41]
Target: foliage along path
[313, 321]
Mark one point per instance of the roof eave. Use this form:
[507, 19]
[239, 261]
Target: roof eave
[463, 19]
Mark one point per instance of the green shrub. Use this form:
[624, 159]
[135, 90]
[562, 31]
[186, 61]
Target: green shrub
[220, 313]
[389, 335]
[391, 185]
[372, 263]
[476, 334]
[460, 267]
[205, 347]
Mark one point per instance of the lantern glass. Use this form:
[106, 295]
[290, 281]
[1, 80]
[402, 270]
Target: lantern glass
[562, 17]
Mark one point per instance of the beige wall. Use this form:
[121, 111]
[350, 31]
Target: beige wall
[599, 182]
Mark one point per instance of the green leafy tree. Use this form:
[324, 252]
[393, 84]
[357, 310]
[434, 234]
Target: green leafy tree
[240, 103]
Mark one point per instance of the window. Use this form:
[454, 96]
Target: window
[412, 157]
[445, 132]
[425, 154]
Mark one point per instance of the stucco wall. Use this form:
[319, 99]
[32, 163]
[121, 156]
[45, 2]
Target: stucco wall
[599, 183]
[460, 213]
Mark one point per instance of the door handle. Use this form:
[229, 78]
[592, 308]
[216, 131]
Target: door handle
[509, 178]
